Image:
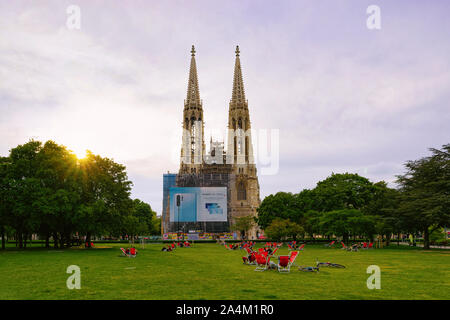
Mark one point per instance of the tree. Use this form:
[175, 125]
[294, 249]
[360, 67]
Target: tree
[312, 223]
[425, 193]
[294, 230]
[23, 188]
[45, 189]
[56, 208]
[105, 195]
[282, 228]
[243, 225]
[282, 205]
[156, 225]
[342, 191]
[5, 208]
[384, 206]
[343, 223]
[140, 220]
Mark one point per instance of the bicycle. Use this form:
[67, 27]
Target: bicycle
[328, 264]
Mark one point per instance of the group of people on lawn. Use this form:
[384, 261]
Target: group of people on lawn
[129, 252]
[173, 245]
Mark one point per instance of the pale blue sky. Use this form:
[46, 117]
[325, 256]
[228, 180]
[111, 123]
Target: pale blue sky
[345, 98]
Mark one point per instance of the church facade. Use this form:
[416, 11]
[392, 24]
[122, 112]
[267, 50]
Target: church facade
[232, 167]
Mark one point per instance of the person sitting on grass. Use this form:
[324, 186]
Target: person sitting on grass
[272, 265]
[127, 251]
[133, 251]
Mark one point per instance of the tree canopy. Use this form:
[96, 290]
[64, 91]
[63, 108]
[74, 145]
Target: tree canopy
[46, 190]
[347, 204]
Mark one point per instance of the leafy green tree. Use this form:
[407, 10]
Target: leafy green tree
[23, 189]
[425, 193]
[342, 223]
[280, 229]
[105, 195]
[5, 208]
[56, 209]
[383, 206]
[45, 189]
[282, 205]
[243, 225]
[342, 191]
[295, 230]
[156, 225]
[312, 224]
[140, 220]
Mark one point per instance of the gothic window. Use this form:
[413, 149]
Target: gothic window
[241, 192]
[246, 149]
[235, 148]
[240, 123]
[234, 124]
[239, 146]
[193, 134]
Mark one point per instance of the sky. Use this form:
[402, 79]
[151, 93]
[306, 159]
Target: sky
[341, 97]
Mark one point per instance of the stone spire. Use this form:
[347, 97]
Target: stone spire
[193, 145]
[238, 95]
[193, 92]
[239, 150]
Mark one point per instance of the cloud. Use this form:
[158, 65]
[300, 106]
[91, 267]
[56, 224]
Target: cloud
[344, 98]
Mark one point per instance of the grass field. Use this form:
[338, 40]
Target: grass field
[209, 271]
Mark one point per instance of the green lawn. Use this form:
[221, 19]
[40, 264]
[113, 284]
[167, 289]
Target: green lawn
[209, 271]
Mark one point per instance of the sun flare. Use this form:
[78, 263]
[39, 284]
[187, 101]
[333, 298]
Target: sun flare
[80, 153]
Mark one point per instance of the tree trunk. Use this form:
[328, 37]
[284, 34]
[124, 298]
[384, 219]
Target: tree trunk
[47, 240]
[345, 237]
[426, 239]
[20, 239]
[88, 240]
[2, 234]
[55, 240]
[388, 238]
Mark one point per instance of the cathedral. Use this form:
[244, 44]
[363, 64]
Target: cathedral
[233, 168]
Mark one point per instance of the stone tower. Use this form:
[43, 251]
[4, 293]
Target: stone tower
[244, 183]
[193, 145]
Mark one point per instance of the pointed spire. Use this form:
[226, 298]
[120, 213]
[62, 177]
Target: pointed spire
[238, 96]
[193, 92]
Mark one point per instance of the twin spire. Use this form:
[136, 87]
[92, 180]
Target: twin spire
[238, 96]
[193, 93]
